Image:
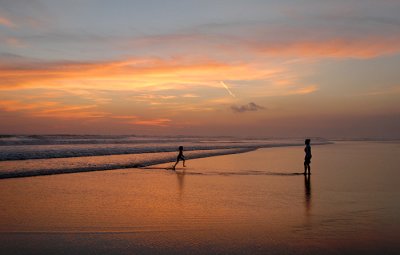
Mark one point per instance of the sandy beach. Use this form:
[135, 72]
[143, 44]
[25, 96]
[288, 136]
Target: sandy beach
[256, 203]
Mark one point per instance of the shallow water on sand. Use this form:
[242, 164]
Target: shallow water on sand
[255, 202]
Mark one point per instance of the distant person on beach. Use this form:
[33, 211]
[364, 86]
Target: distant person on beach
[180, 157]
[307, 158]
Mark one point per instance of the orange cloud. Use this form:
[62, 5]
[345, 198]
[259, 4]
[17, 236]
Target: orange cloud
[368, 47]
[146, 97]
[292, 90]
[304, 90]
[124, 117]
[138, 80]
[6, 22]
[131, 119]
[190, 95]
[52, 109]
[325, 41]
[71, 112]
[14, 42]
[162, 122]
[383, 91]
[14, 105]
[131, 74]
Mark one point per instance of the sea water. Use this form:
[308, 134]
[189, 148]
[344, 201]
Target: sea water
[22, 156]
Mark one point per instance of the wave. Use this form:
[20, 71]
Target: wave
[56, 154]
[29, 168]
[7, 140]
[66, 151]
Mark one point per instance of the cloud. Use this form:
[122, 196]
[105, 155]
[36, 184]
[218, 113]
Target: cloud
[124, 117]
[368, 47]
[338, 29]
[160, 122]
[327, 34]
[250, 107]
[52, 109]
[303, 90]
[149, 97]
[6, 22]
[126, 74]
[25, 14]
[382, 91]
[15, 105]
[13, 42]
[190, 95]
[136, 120]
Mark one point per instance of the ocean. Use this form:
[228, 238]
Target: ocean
[33, 155]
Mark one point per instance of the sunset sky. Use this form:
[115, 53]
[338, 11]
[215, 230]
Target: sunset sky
[226, 67]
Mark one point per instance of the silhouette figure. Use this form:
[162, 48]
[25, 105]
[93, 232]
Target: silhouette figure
[307, 158]
[180, 157]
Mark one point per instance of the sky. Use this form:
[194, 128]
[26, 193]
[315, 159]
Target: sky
[258, 68]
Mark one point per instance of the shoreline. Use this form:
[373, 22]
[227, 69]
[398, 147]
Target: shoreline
[111, 165]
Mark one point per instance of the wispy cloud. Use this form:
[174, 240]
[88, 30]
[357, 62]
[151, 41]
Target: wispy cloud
[124, 117]
[149, 97]
[311, 37]
[190, 95]
[127, 74]
[303, 90]
[136, 120]
[6, 22]
[72, 112]
[250, 107]
[25, 14]
[382, 91]
[160, 122]
[367, 47]
[13, 42]
[15, 105]
[52, 109]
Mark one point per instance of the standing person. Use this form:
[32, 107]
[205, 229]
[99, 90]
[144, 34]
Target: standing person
[307, 158]
[180, 157]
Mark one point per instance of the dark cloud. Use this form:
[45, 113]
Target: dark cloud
[250, 107]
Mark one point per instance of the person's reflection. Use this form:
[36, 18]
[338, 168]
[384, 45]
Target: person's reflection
[181, 178]
[307, 185]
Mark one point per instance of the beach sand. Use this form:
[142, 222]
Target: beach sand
[254, 203]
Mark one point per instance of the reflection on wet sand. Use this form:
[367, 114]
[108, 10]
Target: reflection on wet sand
[307, 186]
[181, 181]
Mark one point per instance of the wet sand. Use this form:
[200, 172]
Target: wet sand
[255, 203]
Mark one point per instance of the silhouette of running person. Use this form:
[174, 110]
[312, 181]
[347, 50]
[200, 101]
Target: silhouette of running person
[180, 157]
[308, 156]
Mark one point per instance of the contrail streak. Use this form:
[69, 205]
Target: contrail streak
[227, 88]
